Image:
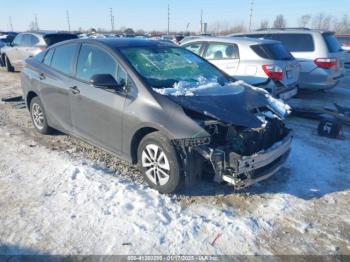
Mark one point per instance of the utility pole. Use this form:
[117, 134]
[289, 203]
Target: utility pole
[201, 20]
[112, 19]
[36, 22]
[68, 21]
[251, 14]
[10, 23]
[168, 19]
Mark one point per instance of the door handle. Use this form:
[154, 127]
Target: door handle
[75, 90]
[42, 76]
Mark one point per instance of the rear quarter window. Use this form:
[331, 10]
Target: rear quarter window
[295, 42]
[331, 42]
[272, 51]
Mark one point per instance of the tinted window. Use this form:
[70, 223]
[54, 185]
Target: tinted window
[26, 40]
[63, 58]
[33, 40]
[195, 47]
[272, 51]
[221, 51]
[52, 39]
[295, 42]
[332, 42]
[48, 57]
[93, 60]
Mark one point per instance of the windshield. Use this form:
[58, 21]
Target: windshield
[164, 67]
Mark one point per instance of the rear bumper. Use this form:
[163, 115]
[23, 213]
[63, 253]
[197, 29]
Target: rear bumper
[243, 171]
[319, 79]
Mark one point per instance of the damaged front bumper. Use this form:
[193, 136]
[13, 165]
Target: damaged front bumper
[243, 171]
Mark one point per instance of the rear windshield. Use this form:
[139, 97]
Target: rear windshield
[52, 39]
[272, 51]
[332, 42]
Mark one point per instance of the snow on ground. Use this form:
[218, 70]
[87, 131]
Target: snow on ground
[51, 202]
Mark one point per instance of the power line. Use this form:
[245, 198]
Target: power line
[68, 21]
[251, 14]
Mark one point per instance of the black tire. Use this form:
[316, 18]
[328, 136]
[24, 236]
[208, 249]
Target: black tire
[174, 173]
[8, 64]
[36, 104]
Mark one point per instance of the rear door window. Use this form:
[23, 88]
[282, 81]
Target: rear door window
[294, 42]
[332, 42]
[272, 51]
[220, 51]
[63, 58]
[195, 47]
[51, 39]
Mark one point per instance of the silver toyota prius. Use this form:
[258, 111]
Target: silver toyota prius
[160, 106]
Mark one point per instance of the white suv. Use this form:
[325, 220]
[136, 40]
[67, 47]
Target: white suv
[319, 53]
[263, 63]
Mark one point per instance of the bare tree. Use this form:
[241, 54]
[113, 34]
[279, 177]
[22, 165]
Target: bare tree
[322, 21]
[280, 22]
[304, 20]
[264, 24]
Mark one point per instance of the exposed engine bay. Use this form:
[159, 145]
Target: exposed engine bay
[240, 155]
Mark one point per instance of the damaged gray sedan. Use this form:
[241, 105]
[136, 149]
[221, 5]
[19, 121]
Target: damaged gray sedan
[159, 106]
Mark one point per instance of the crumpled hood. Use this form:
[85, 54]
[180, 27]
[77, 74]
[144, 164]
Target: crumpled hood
[235, 106]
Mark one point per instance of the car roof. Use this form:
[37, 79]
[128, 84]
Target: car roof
[233, 40]
[116, 42]
[283, 31]
[43, 33]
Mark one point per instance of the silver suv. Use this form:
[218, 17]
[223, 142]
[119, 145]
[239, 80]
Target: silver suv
[263, 63]
[29, 44]
[320, 56]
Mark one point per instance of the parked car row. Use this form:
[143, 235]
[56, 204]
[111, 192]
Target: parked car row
[29, 44]
[319, 54]
[263, 63]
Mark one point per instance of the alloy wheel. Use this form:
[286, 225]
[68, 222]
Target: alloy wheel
[156, 164]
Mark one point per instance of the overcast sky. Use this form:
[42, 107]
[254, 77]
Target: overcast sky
[152, 14]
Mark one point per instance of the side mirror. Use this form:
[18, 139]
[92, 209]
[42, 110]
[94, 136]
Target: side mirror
[107, 81]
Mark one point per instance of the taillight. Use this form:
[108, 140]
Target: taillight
[273, 71]
[326, 62]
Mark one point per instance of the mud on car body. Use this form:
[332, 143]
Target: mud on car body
[159, 106]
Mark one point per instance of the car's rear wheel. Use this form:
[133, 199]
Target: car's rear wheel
[38, 116]
[8, 64]
[159, 163]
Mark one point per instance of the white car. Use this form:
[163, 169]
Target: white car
[263, 63]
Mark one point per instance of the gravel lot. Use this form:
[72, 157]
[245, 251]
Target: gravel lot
[302, 210]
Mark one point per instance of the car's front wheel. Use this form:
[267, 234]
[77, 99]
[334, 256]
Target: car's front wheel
[38, 116]
[159, 163]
